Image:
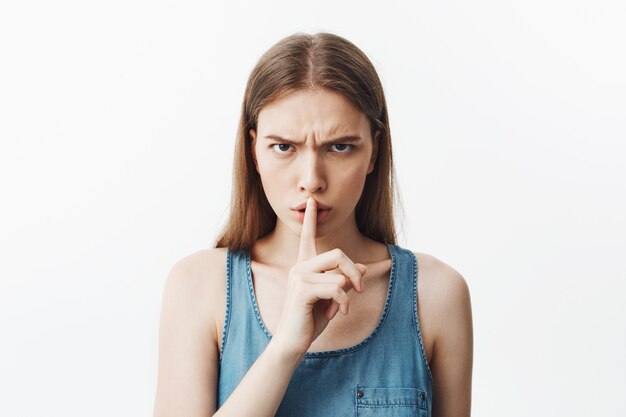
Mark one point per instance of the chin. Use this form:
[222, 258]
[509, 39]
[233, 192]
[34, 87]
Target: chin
[320, 232]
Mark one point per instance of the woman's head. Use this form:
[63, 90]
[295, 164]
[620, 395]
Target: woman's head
[312, 89]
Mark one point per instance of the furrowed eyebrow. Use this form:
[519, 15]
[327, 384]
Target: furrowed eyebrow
[343, 139]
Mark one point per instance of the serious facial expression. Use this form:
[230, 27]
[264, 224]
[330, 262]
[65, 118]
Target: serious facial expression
[313, 143]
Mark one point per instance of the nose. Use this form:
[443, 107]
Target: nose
[311, 175]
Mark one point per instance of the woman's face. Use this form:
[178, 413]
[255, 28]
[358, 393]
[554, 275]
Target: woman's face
[313, 143]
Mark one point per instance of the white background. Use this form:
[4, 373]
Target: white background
[117, 125]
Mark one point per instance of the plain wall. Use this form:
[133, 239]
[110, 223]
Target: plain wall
[117, 126]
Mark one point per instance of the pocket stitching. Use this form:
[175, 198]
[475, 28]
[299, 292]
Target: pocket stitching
[383, 401]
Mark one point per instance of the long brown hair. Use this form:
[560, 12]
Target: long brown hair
[298, 62]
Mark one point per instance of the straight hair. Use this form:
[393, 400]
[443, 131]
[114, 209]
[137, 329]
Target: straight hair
[300, 62]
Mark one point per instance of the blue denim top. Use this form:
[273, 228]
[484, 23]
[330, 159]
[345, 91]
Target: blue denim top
[386, 374]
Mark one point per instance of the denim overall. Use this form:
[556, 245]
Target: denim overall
[385, 375]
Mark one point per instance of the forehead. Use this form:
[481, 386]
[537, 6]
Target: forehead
[302, 112]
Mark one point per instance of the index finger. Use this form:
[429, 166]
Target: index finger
[308, 249]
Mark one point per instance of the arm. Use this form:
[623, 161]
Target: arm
[194, 296]
[189, 352]
[263, 387]
[451, 363]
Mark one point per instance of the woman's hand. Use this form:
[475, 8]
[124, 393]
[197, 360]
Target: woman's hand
[316, 289]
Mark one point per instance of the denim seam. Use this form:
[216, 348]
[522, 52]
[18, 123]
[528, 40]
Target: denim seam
[227, 313]
[416, 318]
[391, 405]
[379, 325]
[255, 306]
[361, 404]
[336, 352]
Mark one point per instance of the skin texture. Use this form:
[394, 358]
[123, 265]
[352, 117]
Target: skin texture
[307, 275]
[334, 175]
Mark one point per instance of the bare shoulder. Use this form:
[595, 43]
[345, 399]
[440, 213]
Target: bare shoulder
[445, 312]
[200, 278]
[443, 300]
[188, 341]
[440, 285]
[196, 267]
[200, 272]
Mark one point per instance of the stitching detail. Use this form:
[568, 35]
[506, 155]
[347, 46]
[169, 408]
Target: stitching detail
[257, 312]
[391, 405]
[342, 351]
[227, 314]
[375, 398]
[416, 318]
[379, 325]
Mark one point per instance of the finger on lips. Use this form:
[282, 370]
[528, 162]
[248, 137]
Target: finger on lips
[350, 275]
[307, 235]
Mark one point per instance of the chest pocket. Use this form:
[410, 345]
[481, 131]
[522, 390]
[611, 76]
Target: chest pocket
[391, 402]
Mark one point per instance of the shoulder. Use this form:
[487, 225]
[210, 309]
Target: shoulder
[188, 341]
[444, 300]
[198, 280]
[198, 270]
[443, 292]
[433, 272]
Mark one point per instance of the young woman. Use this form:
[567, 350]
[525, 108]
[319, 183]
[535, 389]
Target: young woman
[306, 306]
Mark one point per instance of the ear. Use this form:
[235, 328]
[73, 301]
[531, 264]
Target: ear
[370, 168]
[252, 133]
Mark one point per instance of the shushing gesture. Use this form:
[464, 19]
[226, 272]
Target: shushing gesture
[316, 289]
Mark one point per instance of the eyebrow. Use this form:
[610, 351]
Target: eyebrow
[343, 139]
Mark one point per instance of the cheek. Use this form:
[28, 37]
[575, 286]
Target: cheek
[352, 179]
[273, 179]
[357, 168]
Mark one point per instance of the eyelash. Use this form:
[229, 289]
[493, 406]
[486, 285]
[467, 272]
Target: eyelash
[347, 150]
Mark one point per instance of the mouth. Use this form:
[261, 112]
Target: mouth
[322, 214]
[302, 206]
[319, 210]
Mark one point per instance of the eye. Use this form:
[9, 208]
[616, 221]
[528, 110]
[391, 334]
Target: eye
[343, 147]
[280, 148]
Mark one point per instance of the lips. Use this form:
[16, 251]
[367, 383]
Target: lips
[323, 211]
[318, 211]
[322, 215]
[302, 206]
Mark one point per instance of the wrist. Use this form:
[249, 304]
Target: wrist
[284, 355]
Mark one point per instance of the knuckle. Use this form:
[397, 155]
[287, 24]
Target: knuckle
[339, 254]
[296, 282]
[301, 288]
[339, 279]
